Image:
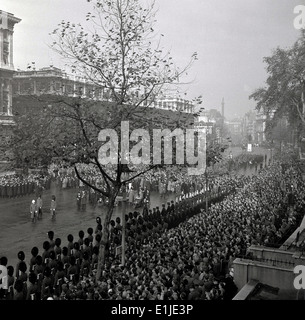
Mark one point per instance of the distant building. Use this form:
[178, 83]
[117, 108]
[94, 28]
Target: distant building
[211, 115]
[235, 130]
[260, 127]
[202, 122]
[212, 121]
[249, 126]
[174, 104]
[54, 81]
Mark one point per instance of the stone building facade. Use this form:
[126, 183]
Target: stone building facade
[54, 81]
[7, 23]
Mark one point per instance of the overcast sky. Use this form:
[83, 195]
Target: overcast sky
[231, 38]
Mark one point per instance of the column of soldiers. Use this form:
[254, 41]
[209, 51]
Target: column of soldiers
[11, 187]
[139, 228]
[61, 265]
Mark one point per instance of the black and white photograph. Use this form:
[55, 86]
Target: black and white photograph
[152, 153]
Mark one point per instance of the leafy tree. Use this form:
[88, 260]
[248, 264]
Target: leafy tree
[283, 95]
[118, 52]
[37, 133]
[68, 130]
[280, 133]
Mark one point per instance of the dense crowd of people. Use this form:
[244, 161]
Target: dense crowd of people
[172, 180]
[177, 251]
[169, 181]
[81, 255]
[16, 185]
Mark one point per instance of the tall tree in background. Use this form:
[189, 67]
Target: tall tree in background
[120, 53]
[284, 93]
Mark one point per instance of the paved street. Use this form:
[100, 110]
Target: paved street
[19, 233]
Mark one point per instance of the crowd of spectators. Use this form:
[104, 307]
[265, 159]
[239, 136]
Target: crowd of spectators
[75, 264]
[175, 252]
[169, 180]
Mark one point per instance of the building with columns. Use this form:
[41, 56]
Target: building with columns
[174, 104]
[7, 23]
[54, 81]
[260, 127]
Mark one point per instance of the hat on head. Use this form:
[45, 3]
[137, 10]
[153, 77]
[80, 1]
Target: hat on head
[50, 233]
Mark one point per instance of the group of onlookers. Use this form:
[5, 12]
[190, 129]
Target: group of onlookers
[175, 251]
[58, 269]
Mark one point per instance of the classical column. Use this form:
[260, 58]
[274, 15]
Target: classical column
[1, 95]
[11, 59]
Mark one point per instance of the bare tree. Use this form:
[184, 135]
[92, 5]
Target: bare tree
[120, 53]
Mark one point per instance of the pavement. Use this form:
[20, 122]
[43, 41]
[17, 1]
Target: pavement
[18, 232]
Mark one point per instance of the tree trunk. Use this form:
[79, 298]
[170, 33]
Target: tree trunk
[105, 236]
[206, 191]
[301, 112]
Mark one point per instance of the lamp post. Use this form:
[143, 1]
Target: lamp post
[123, 225]
[125, 176]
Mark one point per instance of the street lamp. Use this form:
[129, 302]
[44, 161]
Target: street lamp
[123, 224]
[125, 176]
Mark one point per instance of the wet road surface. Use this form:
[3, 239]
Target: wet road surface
[18, 232]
